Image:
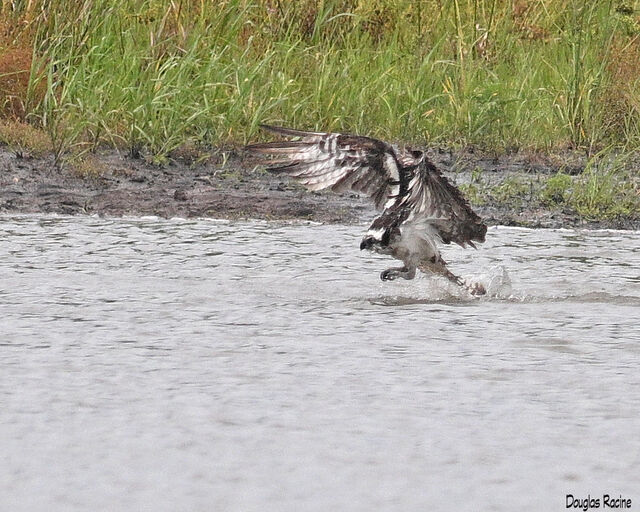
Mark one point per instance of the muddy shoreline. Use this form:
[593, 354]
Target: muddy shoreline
[235, 188]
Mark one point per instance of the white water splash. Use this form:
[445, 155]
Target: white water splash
[497, 282]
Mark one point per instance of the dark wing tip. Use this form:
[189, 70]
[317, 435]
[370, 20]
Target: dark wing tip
[481, 232]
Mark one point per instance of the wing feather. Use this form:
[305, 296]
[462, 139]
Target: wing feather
[400, 181]
[433, 200]
[336, 161]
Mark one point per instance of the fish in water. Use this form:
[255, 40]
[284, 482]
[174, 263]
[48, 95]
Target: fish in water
[419, 206]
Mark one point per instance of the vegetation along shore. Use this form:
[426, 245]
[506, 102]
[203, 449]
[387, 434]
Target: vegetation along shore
[532, 107]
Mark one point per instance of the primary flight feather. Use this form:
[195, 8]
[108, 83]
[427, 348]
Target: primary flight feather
[419, 205]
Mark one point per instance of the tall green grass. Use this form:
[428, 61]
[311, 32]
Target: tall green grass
[152, 75]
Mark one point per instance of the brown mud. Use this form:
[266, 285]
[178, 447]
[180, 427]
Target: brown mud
[236, 188]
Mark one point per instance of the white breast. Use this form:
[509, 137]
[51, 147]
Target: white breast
[418, 241]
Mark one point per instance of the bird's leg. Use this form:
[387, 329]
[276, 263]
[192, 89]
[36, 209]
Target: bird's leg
[439, 267]
[406, 272]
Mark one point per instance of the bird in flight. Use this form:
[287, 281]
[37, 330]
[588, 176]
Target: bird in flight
[419, 205]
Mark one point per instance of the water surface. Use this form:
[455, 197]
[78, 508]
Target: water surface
[208, 365]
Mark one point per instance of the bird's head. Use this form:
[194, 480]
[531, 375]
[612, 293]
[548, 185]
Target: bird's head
[375, 240]
[367, 243]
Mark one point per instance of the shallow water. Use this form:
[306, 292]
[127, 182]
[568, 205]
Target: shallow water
[208, 365]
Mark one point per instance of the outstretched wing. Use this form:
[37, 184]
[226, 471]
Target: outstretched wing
[435, 202]
[336, 161]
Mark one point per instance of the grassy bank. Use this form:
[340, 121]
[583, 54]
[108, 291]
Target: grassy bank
[164, 77]
[603, 187]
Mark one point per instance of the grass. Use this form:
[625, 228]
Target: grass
[156, 76]
[24, 139]
[150, 75]
[608, 188]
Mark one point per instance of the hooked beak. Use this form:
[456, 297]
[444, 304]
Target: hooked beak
[366, 243]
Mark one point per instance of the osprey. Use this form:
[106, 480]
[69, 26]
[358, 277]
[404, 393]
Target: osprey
[419, 205]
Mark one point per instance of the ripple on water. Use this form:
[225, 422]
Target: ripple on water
[265, 366]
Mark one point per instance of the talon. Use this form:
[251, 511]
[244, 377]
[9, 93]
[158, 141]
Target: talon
[387, 275]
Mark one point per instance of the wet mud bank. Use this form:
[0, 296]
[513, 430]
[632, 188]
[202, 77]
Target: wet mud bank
[116, 185]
